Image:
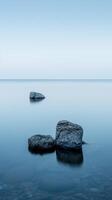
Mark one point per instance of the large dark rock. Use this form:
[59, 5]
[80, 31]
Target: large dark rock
[69, 135]
[41, 143]
[34, 96]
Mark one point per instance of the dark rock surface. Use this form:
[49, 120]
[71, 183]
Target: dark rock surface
[34, 96]
[41, 143]
[69, 135]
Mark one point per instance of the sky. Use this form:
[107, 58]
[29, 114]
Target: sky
[69, 39]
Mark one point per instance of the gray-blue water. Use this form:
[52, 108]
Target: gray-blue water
[55, 176]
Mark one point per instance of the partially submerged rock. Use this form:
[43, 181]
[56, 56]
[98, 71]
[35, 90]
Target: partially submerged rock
[69, 135]
[68, 138]
[34, 96]
[41, 143]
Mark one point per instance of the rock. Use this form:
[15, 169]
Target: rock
[69, 157]
[69, 135]
[41, 143]
[34, 96]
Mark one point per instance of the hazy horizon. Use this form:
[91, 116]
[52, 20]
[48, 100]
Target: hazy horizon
[56, 79]
[55, 39]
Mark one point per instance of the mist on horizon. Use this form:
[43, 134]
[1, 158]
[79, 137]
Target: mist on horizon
[55, 39]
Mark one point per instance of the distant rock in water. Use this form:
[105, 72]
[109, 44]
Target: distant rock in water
[69, 135]
[69, 157]
[35, 96]
[41, 143]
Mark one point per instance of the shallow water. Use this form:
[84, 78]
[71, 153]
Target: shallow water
[87, 175]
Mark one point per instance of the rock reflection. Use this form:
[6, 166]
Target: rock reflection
[40, 152]
[70, 157]
[35, 100]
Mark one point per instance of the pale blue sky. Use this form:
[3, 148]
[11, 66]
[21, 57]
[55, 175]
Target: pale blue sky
[55, 39]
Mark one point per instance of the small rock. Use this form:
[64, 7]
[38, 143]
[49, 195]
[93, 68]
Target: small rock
[69, 135]
[34, 96]
[41, 143]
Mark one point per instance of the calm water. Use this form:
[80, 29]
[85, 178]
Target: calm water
[55, 176]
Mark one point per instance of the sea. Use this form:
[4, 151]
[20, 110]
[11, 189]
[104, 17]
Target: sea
[59, 175]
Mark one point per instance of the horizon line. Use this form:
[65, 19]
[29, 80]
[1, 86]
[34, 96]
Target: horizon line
[56, 79]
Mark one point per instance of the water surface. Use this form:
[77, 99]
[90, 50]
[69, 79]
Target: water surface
[59, 175]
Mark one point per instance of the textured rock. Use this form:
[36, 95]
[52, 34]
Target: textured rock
[41, 143]
[34, 96]
[69, 135]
